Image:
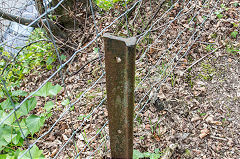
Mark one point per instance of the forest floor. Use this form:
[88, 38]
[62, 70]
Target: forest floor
[197, 106]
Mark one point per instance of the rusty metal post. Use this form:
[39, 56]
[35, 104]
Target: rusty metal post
[120, 77]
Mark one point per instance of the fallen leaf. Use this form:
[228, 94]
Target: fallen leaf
[80, 137]
[147, 127]
[202, 89]
[196, 151]
[195, 118]
[51, 137]
[54, 152]
[157, 138]
[200, 18]
[217, 122]
[204, 133]
[238, 93]
[64, 137]
[209, 119]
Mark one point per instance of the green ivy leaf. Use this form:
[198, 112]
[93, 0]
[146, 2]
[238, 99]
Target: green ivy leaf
[147, 154]
[65, 102]
[235, 4]
[63, 57]
[28, 106]
[137, 154]
[55, 90]
[34, 123]
[95, 50]
[157, 150]
[234, 34]
[1, 94]
[9, 136]
[48, 90]
[19, 93]
[11, 119]
[50, 60]
[49, 105]
[44, 91]
[155, 156]
[7, 104]
[35, 153]
[4, 131]
[24, 128]
[4, 156]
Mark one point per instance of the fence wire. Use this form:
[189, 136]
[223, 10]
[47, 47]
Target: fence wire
[81, 126]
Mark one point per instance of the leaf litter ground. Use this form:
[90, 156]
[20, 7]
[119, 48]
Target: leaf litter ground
[197, 109]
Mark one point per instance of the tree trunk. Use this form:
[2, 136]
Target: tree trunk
[65, 13]
[24, 21]
[65, 17]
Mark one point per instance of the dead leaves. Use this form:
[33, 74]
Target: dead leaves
[195, 118]
[207, 119]
[204, 133]
[210, 120]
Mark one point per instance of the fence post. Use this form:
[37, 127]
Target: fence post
[120, 77]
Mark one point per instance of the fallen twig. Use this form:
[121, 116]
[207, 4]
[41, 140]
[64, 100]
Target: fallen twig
[97, 58]
[202, 58]
[218, 138]
[155, 14]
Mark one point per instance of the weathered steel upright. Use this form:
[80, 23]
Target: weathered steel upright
[120, 77]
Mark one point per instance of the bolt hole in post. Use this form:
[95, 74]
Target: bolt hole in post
[120, 75]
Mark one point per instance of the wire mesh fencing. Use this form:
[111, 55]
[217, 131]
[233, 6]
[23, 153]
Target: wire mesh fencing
[60, 104]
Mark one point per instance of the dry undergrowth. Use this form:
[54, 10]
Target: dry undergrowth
[197, 109]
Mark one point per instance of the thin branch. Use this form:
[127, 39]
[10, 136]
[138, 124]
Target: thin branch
[150, 21]
[122, 22]
[202, 58]
[97, 58]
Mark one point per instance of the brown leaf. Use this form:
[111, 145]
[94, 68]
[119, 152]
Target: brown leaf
[195, 118]
[64, 137]
[204, 133]
[209, 119]
[217, 122]
[148, 127]
[54, 152]
[156, 137]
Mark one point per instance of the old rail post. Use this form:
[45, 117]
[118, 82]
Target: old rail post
[120, 76]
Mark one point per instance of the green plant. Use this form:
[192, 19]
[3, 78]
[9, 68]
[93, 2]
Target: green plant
[189, 78]
[214, 35]
[173, 79]
[155, 155]
[187, 153]
[236, 4]
[224, 7]
[207, 71]
[232, 50]
[210, 48]
[108, 4]
[234, 34]
[235, 25]
[38, 54]
[12, 137]
[202, 114]
[219, 14]
[154, 126]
